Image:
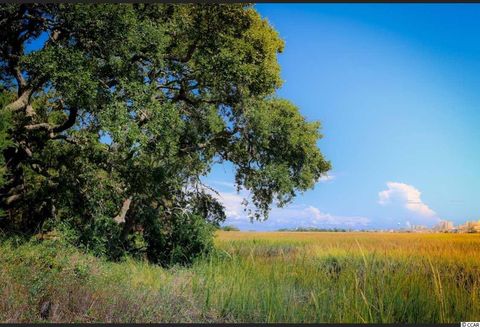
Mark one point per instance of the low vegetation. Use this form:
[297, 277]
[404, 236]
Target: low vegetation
[253, 277]
[229, 228]
[314, 229]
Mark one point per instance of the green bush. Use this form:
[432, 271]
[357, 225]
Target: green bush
[230, 228]
[180, 240]
[4, 142]
[101, 237]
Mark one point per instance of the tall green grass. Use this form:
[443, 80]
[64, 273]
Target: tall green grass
[275, 282]
[252, 277]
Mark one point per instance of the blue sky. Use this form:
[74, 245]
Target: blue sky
[397, 90]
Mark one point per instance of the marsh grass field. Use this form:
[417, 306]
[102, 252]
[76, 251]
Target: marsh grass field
[255, 277]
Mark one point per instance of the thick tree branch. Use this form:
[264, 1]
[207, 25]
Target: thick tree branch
[13, 198]
[120, 218]
[21, 102]
[25, 89]
[20, 80]
[190, 52]
[44, 126]
[72, 117]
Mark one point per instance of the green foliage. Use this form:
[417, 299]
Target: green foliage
[4, 142]
[100, 237]
[229, 228]
[5, 124]
[180, 240]
[117, 116]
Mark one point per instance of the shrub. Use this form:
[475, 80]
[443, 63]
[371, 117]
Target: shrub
[4, 142]
[230, 228]
[101, 237]
[179, 240]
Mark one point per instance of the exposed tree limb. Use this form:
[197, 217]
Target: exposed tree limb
[34, 127]
[21, 102]
[190, 52]
[120, 218]
[13, 198]
[29, 111]
[72, 117]
[19, 77]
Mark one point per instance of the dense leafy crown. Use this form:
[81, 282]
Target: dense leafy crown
[117, 110]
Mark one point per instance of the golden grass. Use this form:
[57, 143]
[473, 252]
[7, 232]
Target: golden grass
[353, 277]
[255, 277]
[441, 246]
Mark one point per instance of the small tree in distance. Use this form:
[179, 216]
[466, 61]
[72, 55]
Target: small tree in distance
[230, 228]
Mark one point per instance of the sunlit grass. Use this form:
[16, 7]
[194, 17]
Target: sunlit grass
[256, 277]
[346, 277]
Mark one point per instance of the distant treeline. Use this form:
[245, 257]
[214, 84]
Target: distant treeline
[229, 228]
[313, 229]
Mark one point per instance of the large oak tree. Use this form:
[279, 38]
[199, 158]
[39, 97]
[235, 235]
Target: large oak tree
[116, 111]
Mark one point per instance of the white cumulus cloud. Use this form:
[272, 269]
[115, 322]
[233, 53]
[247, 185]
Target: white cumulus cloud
[408, 196]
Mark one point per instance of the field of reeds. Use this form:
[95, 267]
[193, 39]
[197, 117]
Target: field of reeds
[254, 277]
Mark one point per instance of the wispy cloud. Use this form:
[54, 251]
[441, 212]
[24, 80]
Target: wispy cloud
[287, 217]
[408, 196]
[328, 177]
[222, 183]
[234, 209]
[317, 218]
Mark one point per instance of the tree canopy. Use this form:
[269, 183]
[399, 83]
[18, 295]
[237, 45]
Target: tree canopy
[116, 111]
